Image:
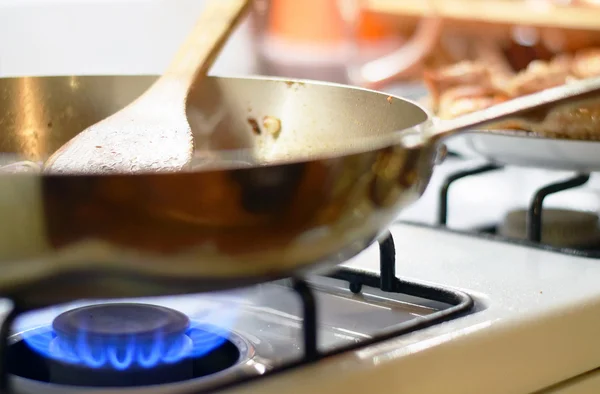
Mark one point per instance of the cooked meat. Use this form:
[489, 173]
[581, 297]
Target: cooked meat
[457, 74]
[586, 63]
[466, 91]
[581, 122]
[462, 100]
[463, 73]
[464, 106]
[562, 62]
[585, 3]
[472, 86]
[489, 54]
[540, 75]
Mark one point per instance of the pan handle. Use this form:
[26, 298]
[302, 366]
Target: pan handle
[523, 113]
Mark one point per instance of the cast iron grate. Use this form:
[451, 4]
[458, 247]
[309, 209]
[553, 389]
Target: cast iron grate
[534, 211]
[459, 303]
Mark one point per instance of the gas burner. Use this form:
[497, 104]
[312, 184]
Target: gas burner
[123, 337]
[562, 228]
[123, 344]
[569, 230]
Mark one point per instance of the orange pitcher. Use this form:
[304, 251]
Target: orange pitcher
[339, 41]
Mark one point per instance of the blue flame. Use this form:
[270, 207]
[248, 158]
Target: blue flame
[121, 354]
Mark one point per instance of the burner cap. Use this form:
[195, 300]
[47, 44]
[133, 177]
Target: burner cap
[120, 320]
[560, 227]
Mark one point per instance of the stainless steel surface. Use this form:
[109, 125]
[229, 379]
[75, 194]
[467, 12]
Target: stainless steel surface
[319, 192]
[523, 149]
[267, 322]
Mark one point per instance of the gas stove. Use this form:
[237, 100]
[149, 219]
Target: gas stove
[468, 313]
[205, 342]
[444, 305]
[431, 308]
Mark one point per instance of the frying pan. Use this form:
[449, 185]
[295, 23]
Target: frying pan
[260, 203]
[337, 183]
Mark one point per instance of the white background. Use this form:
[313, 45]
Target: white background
[58, 37]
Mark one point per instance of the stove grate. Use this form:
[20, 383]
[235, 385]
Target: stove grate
[459, 303]
[443, 198]
[534, 212]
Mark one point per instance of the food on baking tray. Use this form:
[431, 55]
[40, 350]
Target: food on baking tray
[471, 86]
[462, 88]
[575, 3]
[586, 63]
[580, 123]
[463, 73]
[492, 58]
[583, 3]
[460, 100]
[540, 75]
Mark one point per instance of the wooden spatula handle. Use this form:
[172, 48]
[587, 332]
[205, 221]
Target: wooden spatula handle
[210, 33]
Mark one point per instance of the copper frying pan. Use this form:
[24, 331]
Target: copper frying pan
[288, 175]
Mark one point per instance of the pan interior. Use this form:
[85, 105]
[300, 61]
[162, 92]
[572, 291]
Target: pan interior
[240, 120]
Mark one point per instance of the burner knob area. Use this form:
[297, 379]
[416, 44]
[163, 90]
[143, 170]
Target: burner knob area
[560, 227]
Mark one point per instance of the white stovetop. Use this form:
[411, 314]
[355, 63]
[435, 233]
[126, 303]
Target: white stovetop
[536, 324]
[539, 324]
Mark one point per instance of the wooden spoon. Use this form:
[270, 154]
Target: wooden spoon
[152, 134]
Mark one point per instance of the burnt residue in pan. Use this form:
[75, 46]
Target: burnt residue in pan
[271, 125]
[294, 84]
[254, 125]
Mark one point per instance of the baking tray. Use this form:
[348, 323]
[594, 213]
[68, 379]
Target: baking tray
[513, 147]
[518, 148]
